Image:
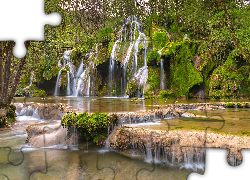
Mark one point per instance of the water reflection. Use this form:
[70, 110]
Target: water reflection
[90, 161]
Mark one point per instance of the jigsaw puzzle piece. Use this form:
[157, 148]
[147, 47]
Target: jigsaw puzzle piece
[27, 13]
[18, 161]
[217, 167]
[136, 168]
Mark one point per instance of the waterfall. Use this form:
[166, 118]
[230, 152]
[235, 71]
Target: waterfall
[68, 84]
[76, 80]
[88, 87]
[162, 79]
[57, 88]
[78, 74]
[128, 28]
[66, 62]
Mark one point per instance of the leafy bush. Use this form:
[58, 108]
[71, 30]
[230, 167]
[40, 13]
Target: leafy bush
[239, 104]
[230, 104]
[39, 93]
[165, 94]
[153, 57]
[9, 116]
[94, 126]
[246, 104]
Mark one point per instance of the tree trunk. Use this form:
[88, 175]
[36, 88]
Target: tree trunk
[1, 67]
[8, 56]
[17, 76]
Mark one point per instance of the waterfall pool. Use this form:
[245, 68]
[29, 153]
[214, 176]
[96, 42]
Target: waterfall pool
[88, 161]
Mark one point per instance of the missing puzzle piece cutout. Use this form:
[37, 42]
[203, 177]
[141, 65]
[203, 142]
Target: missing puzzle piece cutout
[217, 166]
[25, 21]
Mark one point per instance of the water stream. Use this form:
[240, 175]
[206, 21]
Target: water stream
[85, 160]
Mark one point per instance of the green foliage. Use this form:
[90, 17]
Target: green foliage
[224, 70]
[230, 105]
[159, 38]
[166, 94]
[239, 104]
[153, 57]
[9, 117]
[39, 93]
[227, 80]
[131, 88]
[105, 34]
[94, 126]
[154, 74]
[19, 91]
[183, 74]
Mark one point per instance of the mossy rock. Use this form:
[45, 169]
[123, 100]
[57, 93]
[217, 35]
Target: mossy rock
[7, 116]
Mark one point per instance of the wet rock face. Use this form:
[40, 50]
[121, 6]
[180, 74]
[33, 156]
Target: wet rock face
[176, 146]
[48, 111]
[151, 115]
[50, 135]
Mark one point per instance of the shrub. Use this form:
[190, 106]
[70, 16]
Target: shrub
[39, 93]
[230, 104]
[94, 126]
[239, 104]
[165, 94]
[246, 104]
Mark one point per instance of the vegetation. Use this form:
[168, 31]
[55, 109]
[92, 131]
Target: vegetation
[39, 93]
[230, 104]
[205, 46]
[90, 127]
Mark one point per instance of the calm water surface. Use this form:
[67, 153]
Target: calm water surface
[87, 161]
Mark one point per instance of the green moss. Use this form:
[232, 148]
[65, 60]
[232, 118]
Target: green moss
[9, 117]
[39, 93]
[230, 105]
[239, 104]
[183, 74]
[166, 94]
[94, 126]
[105, 34]
[160, 38]
[153, 57]
[246, 104]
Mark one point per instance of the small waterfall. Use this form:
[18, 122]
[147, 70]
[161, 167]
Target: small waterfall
[66, 62]
[68, 84]
[88, 87]
[162, 84]
[129, 28]
[107, 141]
[57, 88]
[76, 78]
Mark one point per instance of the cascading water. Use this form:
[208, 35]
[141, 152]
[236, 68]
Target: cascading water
[66, 62]
[78, 83]
[162, 84]
[129, 27]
